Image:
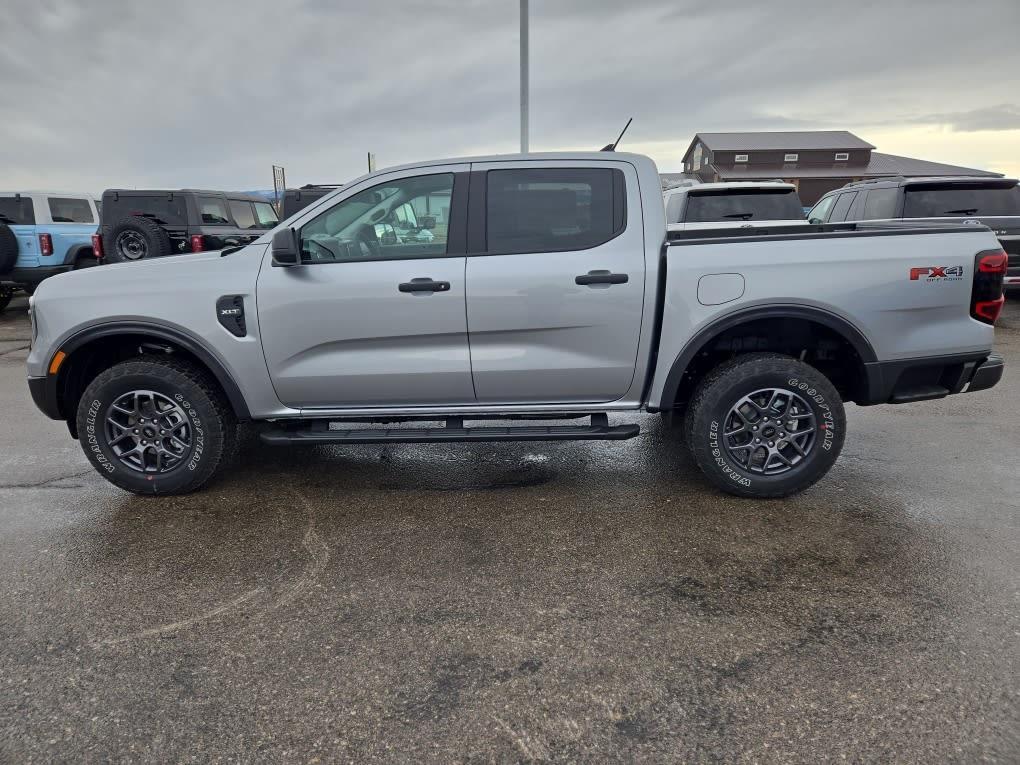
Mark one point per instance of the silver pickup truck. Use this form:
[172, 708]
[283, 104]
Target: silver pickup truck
[514, 288]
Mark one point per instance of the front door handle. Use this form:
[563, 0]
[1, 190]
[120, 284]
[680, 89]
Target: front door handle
[600, 277]
[424, 285]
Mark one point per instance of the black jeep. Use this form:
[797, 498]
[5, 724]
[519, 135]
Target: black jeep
[140, 224]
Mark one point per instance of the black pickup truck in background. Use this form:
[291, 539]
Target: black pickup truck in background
[138, 224]
[993, 202]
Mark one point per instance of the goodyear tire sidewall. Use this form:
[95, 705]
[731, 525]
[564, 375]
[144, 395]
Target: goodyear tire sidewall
[708, 424]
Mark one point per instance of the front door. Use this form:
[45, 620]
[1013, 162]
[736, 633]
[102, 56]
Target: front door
[555, 281]
[375, 313]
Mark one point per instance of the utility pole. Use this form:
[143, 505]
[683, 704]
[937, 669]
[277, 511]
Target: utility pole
[524, 76]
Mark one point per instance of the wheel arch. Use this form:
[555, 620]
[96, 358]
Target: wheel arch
[88, 351]
[750, 318]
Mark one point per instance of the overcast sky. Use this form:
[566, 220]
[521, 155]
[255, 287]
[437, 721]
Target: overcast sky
[212, 93]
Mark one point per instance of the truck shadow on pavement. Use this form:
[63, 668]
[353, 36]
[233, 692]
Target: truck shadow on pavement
[538, 602]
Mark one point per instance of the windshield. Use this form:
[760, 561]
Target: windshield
[953, 201]
[748, 204]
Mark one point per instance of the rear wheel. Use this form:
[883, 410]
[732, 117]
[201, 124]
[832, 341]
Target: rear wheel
[6, 296]
[765, 425]
[156, 426]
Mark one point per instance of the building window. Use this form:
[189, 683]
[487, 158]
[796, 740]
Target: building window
[842, 156]
[704, 162]
[790, 157]
[740, 158]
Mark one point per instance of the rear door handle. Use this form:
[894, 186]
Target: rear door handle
[424, 284]
[601, 277]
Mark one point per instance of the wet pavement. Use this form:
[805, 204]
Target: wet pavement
[517, 602]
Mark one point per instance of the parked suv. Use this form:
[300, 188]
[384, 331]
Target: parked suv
[42, 234]
[995, 202]
[295, 200]
[739, 204]
[151, 223]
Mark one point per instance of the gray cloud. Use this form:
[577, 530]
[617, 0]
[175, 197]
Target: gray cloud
[212, 93]
[999, 117]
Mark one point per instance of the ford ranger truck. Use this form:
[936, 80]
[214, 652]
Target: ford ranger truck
[549, 290]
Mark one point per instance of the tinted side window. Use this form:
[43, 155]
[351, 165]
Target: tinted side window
[243, 214]
[881, 203]
[549, 209]
[160, 207]
[820, 210]
[70, 210]
[16, 212]
[376, 223]
[842, 206]
[266, 215]
[213, 211]
[673, 208]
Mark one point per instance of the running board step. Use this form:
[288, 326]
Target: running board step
[334, 432]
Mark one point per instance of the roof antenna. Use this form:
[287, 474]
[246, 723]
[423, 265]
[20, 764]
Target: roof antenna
[612, 146]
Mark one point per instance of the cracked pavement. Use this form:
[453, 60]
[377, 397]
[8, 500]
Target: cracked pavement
[517, 602]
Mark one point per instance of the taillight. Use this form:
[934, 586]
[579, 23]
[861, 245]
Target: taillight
[986, 298]
[45, 244]
[97, 245]
[197, 242]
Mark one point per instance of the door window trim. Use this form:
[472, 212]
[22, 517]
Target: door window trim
[456, 232]
[478, 208]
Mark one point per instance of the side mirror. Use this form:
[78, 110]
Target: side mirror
[286, 250]
[814, 221]
[428, 221]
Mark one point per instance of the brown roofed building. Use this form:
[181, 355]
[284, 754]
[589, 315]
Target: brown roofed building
[815, 161]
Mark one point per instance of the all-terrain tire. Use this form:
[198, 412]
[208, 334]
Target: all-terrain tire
[709, 417]
[210, 424]
[8, 249]
[135, 238]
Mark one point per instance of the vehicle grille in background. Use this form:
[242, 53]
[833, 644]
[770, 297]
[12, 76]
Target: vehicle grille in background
[1012, 248]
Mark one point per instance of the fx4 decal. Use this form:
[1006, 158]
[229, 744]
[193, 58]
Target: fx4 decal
[937, 273]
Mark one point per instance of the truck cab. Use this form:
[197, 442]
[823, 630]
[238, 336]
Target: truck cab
[43, 234]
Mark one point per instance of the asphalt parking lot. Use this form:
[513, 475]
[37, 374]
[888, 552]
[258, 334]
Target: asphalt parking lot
[517, 602]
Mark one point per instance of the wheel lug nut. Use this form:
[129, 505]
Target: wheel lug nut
[755, 427]
[757, 440]
[771, 443]
[136, 431]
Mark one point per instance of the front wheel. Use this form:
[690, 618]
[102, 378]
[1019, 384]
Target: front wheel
[6, 296]
[765, 425]
[156, 426]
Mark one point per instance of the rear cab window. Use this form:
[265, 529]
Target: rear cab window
[553, 209]
[17, 211]
[955, 200]
[727, 205]
[69, 210]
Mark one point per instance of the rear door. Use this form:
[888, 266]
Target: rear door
[555, 281]
[365, 322]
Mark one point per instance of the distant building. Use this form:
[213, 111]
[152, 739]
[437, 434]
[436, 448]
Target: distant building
[815, 161]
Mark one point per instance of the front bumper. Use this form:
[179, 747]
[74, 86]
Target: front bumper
[44, 394]
[908, 380]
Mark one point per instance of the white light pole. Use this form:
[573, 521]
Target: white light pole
[524, 76]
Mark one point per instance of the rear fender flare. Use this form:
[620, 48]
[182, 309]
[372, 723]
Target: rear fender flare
[706, 335]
